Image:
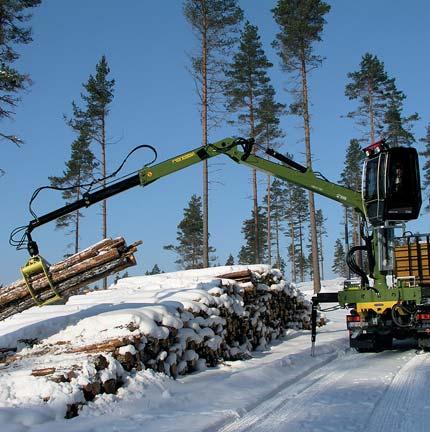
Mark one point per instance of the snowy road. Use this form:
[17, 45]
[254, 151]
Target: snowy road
[281, 389]
[370, 392]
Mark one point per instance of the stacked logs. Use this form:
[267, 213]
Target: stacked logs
[245, 312]
[94, 263]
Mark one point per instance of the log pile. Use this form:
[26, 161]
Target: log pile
[96, 262]
[245, 312]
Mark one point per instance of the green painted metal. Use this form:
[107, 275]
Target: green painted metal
[34, 266]
[353, 296]
[307, 180]
[150, 174]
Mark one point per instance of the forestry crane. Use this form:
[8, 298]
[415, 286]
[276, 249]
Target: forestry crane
[392, 299]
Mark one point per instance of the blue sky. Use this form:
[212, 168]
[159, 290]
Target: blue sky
[147, 46]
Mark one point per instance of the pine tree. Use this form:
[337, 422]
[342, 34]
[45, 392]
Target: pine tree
[290, 231]
[301, 216]
[339, 264]
[190, 237]
[321, 233]
[426, 167]
[297, 215]
[268, 131]
[79, 170]
[215, 24]
[380, 104]
[276, 202]
[398, 129]
[246, 88]
[13, 31]
[369, 85]
[301, 24]
[247, 254]
[98, 95]
[230, 260]
[351, 178]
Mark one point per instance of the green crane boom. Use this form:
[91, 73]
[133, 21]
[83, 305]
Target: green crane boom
[391, 194]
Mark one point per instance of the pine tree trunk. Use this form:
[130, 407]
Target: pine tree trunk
[278, 252]
[293, 253]
[255, 205]
[78, 196]
[269, 228]
[321, 252]
[104, 202]
[205, 142]
[347, 238]
[371, 114]
[313, 228]
[302, 270]
[355, 229]
[254, 181]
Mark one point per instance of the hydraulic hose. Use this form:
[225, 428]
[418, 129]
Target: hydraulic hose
[353, 266]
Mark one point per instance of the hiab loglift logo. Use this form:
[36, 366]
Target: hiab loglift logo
[183, 157]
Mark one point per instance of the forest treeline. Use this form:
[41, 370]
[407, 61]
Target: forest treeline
[231, 70]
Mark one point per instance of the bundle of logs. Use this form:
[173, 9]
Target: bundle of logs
[68, 276]
[246, 311]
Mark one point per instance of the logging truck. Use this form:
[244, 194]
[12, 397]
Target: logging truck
[392, 297]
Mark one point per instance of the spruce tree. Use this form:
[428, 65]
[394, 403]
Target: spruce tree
[426, 168]
[339, 265]
[155, 270]
[246, 88]
[301, 24]
[215, 24]
[230, 260]
[79, 171]
[117, 278]
[14, 14]
[247, 253]
[190, 237]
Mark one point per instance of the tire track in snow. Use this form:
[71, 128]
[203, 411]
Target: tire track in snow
[290, 399]
[326, 399]
[405, 406]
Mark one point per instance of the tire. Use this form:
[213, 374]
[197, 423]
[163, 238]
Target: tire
[372, 342]
[424, 343]
[384, 341]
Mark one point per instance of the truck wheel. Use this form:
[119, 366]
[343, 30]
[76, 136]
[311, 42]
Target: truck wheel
[363, 343]
[384, 341]
[372, 342]
[424, 343]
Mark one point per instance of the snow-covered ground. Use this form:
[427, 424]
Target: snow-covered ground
[283, 388]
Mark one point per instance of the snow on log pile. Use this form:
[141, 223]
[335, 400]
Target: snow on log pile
[174, 323]
[96, 262]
